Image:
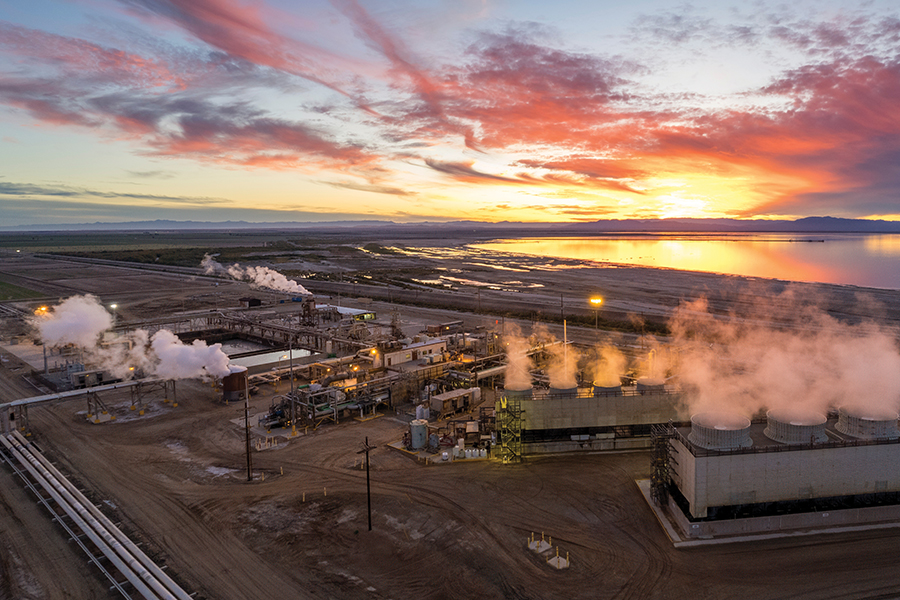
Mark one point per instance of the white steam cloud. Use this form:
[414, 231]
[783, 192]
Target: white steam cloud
[519, 364]
[81, 320]
[258, 276]
[78, 320]
[608, 366]
[810, 362]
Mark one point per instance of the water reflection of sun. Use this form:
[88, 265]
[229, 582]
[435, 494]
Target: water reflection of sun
[885, 245]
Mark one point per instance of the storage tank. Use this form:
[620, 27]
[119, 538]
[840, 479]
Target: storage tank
[234, 385]
[720, 431]
[868, 424]
[793, 426]
[651, 384]
[418, 433]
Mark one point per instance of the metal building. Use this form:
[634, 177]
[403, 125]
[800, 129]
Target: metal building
[596, 418]
[724, 466]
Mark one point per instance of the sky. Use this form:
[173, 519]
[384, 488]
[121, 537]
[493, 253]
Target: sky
[434, 110]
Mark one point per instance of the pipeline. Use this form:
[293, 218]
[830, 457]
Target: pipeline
[142, 558]
[143, 581]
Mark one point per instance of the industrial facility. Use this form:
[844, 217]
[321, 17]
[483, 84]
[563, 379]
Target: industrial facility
[296, 385]
[724, 474]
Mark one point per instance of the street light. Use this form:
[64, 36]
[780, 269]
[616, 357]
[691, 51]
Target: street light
[596, 301]
[114, 307]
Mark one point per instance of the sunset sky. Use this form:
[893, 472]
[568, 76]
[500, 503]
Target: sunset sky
[409, 110]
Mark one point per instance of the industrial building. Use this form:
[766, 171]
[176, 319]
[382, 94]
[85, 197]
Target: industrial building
[726, 474]
[534, 421]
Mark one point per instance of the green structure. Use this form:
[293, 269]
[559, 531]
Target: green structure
[510, 418]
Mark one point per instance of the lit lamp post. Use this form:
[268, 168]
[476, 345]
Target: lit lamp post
[42, 312]
[114, 307]
[596, 301]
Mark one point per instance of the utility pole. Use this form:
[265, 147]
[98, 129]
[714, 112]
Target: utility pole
[247, 427]
[291, 359]
[366, 449]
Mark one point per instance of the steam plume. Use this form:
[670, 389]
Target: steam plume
[258, 276]
[80, 320]
[519, 364]
[608, 367]
[810, 362]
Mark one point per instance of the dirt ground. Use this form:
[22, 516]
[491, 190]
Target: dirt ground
[176, 480]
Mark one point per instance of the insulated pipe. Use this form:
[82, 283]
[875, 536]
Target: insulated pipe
[87, 526]
[158, 589]
[173, 587]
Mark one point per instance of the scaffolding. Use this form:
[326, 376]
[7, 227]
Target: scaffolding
[661, 462]
[509, 426]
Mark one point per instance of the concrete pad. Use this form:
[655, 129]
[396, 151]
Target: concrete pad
[558, 562]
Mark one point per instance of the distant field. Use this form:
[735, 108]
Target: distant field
[169, 240]
[9, 291]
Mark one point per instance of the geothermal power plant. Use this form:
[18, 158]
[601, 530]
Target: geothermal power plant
[726, 456]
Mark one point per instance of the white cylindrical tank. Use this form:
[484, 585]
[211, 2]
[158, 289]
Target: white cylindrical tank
[720, 431]
[418, 433]
[868, 424]
[792, 426]
[420, 412]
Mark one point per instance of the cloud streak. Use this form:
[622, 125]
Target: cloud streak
[242, 90]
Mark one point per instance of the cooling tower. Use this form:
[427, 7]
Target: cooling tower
[720, 431]
[606, 388]
[795, 427]
[567, 392]
[867, 425]
[521, 393]
[650, 384]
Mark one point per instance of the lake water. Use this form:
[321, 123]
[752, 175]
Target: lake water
[869, 260]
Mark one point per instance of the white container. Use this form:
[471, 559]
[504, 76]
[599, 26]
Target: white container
[445, 456]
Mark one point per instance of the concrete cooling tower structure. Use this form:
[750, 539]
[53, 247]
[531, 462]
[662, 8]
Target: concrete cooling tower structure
[601, 417]
[725, 474]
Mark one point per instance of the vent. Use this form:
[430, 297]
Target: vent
[720, 431]
[795, 427]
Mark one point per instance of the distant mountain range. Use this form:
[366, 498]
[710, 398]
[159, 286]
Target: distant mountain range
[805, 225]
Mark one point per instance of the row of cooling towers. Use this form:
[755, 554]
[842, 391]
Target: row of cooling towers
[726, 431]
[643, 385]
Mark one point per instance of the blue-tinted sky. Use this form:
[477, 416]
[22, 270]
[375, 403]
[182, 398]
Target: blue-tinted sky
[114, 110]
